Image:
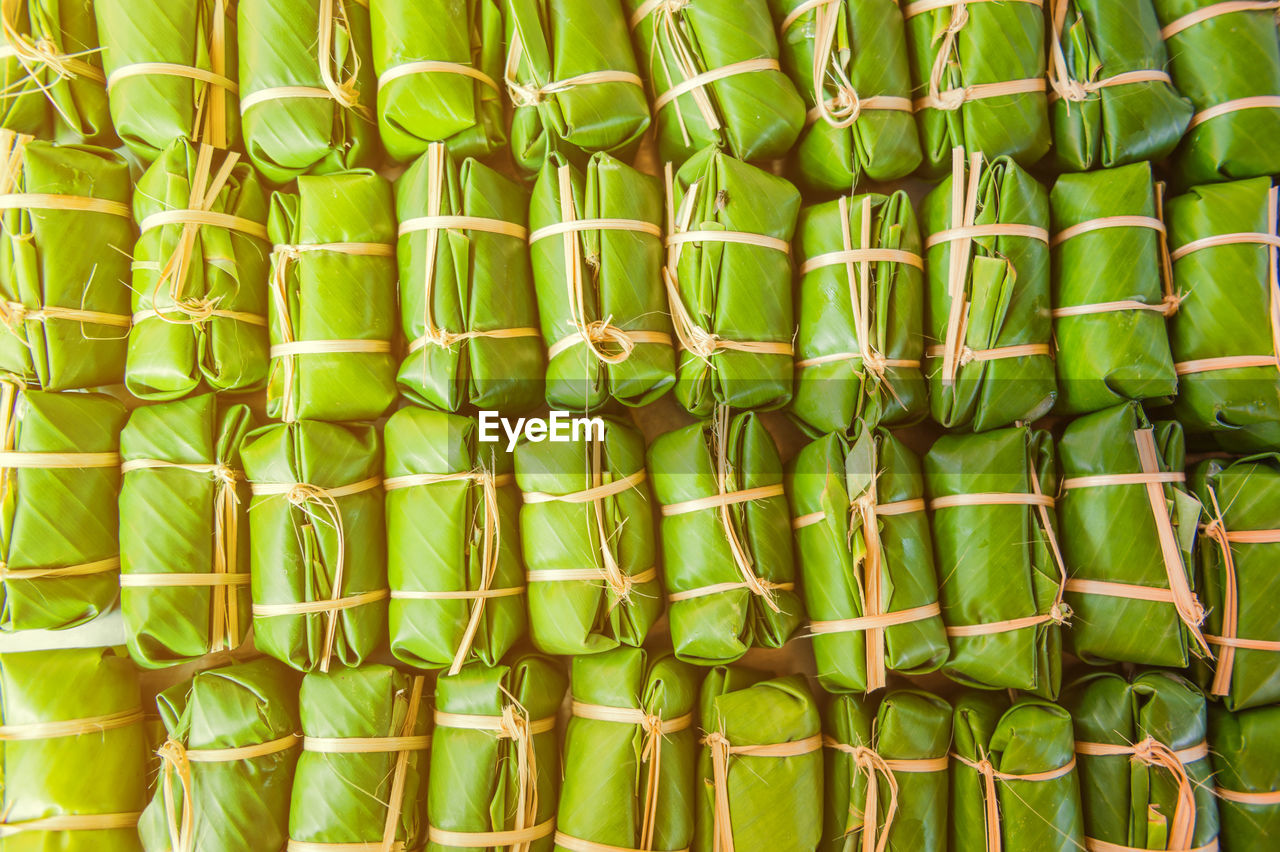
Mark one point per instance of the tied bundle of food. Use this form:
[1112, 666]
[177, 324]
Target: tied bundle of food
[438, 69]
[596, 245]
[587, 532]
[319, 544]
[453, 542]
[333, 291]
[467, 306]
[200, 268]
[571, 77]
[1246, 777]
[1112, 289]
[184, 534]
[1001, 591]
[861, 314]
[171, 72]
[59, 475]
[866, 559]
[728, 280]
[849, 61]
[64, 267]
[726, 538]
[231, 738]
[713, 71]
[307, 86]
[986, 233]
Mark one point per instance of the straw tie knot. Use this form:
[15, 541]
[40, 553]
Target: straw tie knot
[652, 723]
[224, 474]
[950, 100]
[1072, 90]
[13, 314]
[604, 331]
[524, 95]
[513, 724]
[845, 107]
[302, 493]
[1060, 613]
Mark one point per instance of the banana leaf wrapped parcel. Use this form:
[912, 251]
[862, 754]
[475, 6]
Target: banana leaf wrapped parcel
[1238, 546]
[231, 737]
[629, 752]
[307, 86]
[861, 313]
[849, 61]
[184, 534]
[1112, 289]
[726, 538]
[59, 476]
[1000, 568]
[200, 268]
[728, 279]
[171, 72]
[1225, 57]
[361, 777]
[1014, 781]
[333, 291]
[986, 230]
[467, 305]
[453, 542]
[866, 559]
[1112, 100]
[886, 772]
[74, 751]
[713, 72]
[586, 529]
[1132, 594]
[64, 271]
[318, 542]
[759, 777]
[495, 758]
[438, 69]
[571, 77]
[1246, 775]
[596, 250]
[1145, 775]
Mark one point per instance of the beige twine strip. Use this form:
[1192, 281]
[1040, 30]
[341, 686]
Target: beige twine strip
[1151, 752]
[577, 844]
[430, 66]
[990, 796]
[722, 751]
[71, 822]
[866, 761]
[1239, 797]
[1207, 13]
[71, 727]
[86, 569]
[1237, 105]
[1092, 844]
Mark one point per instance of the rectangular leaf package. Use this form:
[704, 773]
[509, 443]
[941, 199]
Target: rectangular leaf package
[1246, 777]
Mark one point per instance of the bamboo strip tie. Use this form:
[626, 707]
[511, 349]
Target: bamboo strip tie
[89, 725]
[722, 751]
[72, 822]
[37, 56]
[530, 94]
[1092, 844]
[1241, 797]
[990, 796]
[431, 66]
[1068, 88]
[869, 762]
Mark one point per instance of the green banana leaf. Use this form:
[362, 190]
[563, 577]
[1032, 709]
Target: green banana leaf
[51, 82]
[552, 48]
[840, 388]
[1241, 495]
[58, 263]
[1226, 310]
[993, 43]
[774, 802]
[831, 483]
[342, 797]
[467, 305]
[58, 525]
[716, 614]
[609, 787]
[436, 542]
[602, 289]
[1009, 571]
[1006, 291]
[200, 307]
[475, 773]
[183, 505]
[1119, 628]
[1025, 736]
[734, 292]
[857, 134]
[417, 106]
[1127, 801]
[303, 538]
[334, 293]
[1097, 122]
[305, 111]
[907, 726]
[101, 771]
[240, 803]
[1109, 356]
[196, 97]
[1225, 58]
[753, 112]
[619, 597]
[1242, 750]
